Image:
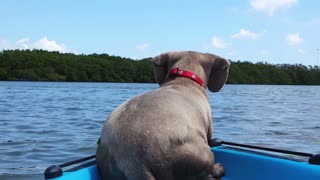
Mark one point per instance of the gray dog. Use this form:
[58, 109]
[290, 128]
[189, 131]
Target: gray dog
[164, 134]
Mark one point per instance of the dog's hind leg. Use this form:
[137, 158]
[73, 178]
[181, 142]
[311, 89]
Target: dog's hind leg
[218, 171]
[196, 162]
[139, 173]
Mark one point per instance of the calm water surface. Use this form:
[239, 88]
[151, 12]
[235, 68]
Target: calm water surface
[45, 123]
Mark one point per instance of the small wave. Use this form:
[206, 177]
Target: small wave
[9, 176]
[73, 109]
[278, 133]
[315, 128]
[274, 123]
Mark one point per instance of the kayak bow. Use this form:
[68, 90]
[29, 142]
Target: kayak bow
[241, 162]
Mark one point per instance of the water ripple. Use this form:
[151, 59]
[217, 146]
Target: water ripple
[50, 123]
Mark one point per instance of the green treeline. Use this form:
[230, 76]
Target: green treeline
[264, 73]
[40, 65]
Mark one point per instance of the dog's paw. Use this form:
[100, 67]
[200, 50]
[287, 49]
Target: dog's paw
[217, 172]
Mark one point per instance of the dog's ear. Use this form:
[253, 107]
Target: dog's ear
[160, 67]
[219, 74]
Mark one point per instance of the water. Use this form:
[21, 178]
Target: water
[45, 123]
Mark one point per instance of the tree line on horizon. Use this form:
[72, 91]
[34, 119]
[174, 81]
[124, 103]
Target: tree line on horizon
[41, 65]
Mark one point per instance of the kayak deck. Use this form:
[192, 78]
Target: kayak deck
[239, 164]
[242, 164]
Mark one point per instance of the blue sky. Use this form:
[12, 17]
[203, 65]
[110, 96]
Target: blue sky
[275, 31]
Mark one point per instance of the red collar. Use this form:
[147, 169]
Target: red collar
[176, 72]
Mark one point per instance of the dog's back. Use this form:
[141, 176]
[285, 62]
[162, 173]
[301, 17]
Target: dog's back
[164, 134]
[155, 135]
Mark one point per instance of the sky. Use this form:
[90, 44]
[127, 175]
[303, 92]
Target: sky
[272, 31]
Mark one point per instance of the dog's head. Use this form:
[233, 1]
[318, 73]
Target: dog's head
[212, 69]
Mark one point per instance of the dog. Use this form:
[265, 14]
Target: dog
[164, 134]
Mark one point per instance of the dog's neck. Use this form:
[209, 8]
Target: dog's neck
[176, 72]
[174, 80]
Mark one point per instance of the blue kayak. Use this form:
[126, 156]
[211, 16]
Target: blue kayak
[241, 162]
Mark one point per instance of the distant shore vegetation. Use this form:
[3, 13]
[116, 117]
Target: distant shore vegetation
[41, 65]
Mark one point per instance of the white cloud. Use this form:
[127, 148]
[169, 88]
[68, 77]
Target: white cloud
[23, 42]
[294, 39]
[219, 43]
[50, 45]
[245, 34]
[143, 47]
[271, 6]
